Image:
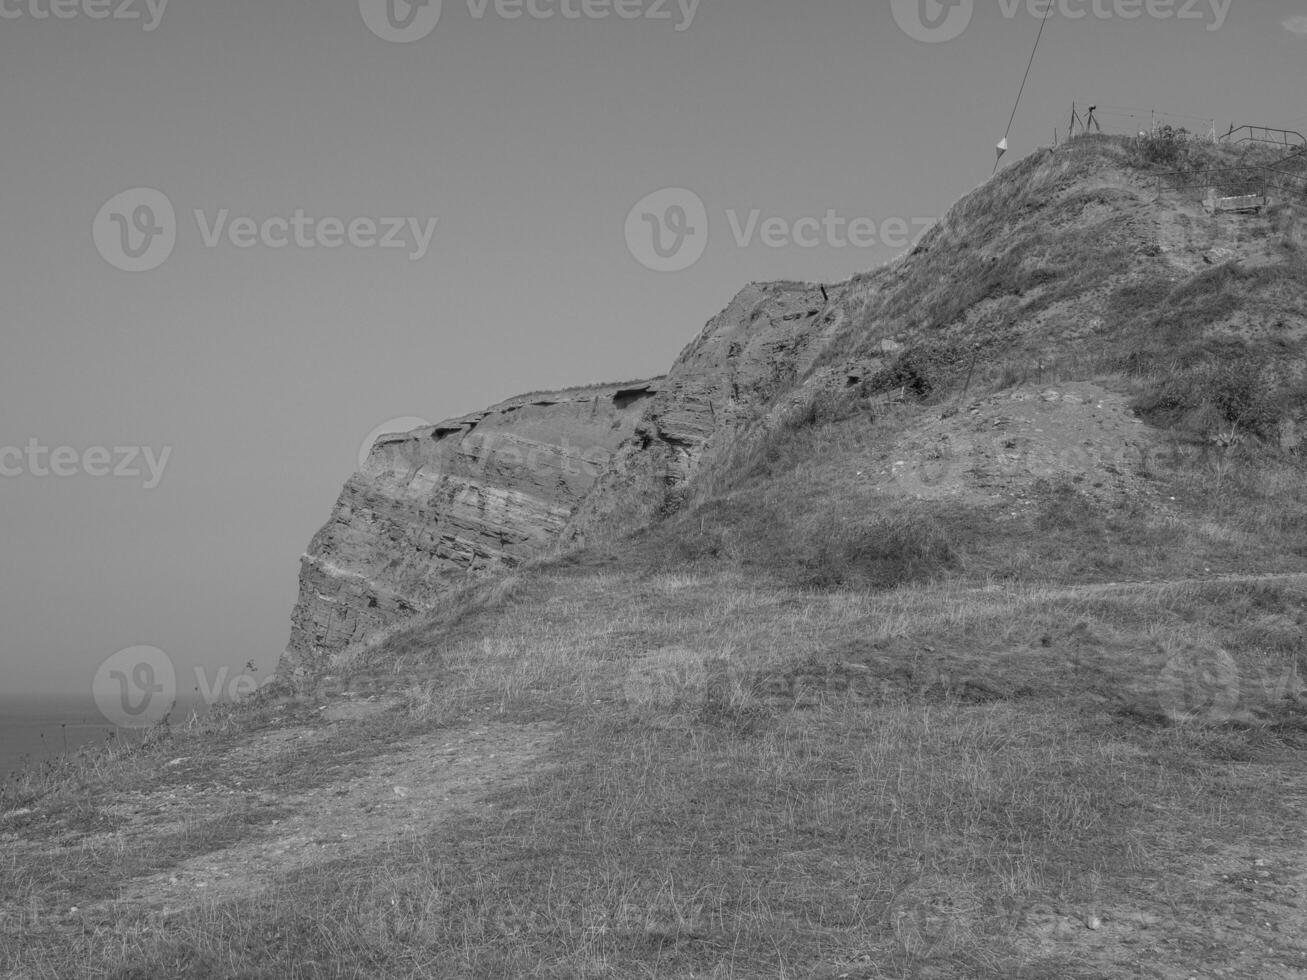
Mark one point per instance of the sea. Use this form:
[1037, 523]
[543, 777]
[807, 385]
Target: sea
[36, 728]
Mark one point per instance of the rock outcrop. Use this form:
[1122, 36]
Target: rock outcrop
[477, 493]
[763, 346]
[481, 493]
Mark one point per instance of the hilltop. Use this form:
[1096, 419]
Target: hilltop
[1076, 264]
[943, 622]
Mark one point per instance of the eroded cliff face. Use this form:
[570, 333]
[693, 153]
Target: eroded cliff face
[747, 357]
[473, 494]
[481, 493]
[1063, 259]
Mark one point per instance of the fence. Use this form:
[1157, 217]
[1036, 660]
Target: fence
[1290, 139]
[1129, 121]
[1266, 183]
[1294, 165]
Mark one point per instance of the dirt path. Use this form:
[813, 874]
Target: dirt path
[400, 795]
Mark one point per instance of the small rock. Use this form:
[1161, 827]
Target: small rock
[1094, 923]
[402, 792]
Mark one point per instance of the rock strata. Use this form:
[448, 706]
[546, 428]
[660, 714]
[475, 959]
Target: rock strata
[481, 493]
[472, 494]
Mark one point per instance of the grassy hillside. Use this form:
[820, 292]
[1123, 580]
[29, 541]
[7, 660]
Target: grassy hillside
[979, 655]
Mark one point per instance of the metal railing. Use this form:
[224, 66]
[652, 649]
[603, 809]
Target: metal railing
[1234, 182]
[1265, 134]
[1293, 162]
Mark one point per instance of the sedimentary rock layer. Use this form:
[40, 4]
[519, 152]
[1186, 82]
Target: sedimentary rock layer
[476, 493]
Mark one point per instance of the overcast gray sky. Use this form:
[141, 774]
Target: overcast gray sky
[260, 369]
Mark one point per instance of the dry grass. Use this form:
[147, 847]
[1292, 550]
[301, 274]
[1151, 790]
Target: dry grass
[756, 781]
[806, 731]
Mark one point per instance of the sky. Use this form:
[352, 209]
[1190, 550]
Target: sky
[418, 211]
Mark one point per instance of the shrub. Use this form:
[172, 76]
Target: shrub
[1244, 392]
[919, 371]
[881, 553]
[825, 408]
[1165, 147]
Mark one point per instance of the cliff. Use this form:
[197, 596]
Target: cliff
[472, 494]
[480, 493]
[1075, 261]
